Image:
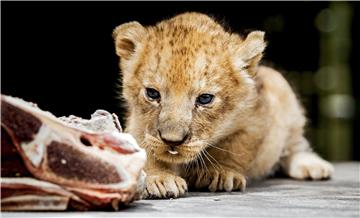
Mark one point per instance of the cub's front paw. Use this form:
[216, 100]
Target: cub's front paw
[164, 186]
[220, 180]
[309, 166]
[226, 180]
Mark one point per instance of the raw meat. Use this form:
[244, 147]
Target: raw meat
[91, 159]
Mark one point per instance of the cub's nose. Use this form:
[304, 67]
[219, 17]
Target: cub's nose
[172, 139]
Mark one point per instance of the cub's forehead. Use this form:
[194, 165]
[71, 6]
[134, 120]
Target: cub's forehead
[184, 58]
[185, 48]
[184, 70]
[178, 37]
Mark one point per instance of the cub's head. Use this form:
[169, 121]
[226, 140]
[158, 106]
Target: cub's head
[187, 83]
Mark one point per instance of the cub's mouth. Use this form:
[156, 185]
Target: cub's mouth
[183, 153]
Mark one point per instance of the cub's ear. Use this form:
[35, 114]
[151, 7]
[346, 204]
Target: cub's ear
[253, 46]
[127, 38]
[249, 52]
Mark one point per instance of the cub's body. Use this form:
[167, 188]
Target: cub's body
[206, 113]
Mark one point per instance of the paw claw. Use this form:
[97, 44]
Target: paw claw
[164, 186]
[170, 194]
[226, 181]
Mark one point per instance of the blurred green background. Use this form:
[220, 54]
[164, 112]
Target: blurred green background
[330, 93]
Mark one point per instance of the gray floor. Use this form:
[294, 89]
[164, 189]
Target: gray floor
[339, 197]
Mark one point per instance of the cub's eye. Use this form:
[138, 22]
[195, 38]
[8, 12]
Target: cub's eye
[204, 99]
[152, 94]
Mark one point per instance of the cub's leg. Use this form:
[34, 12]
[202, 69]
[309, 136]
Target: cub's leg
[161, 182]
[300, 162]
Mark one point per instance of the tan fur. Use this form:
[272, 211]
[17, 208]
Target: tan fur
[253, 124]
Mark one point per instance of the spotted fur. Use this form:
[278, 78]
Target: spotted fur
[253, 124]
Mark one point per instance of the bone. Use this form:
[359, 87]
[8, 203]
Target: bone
[91, 158]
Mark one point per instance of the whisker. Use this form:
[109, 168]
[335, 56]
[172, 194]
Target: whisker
[213, 158]
[193, 165]
[203, 161]
[197, 162]
[188, 166]
[212, 164]
[198, 159]
[221, 149]
[215, 164]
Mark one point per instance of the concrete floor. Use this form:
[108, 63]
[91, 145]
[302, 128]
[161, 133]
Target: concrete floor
[275, 197]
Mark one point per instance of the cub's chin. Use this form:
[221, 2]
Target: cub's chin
[180, 154]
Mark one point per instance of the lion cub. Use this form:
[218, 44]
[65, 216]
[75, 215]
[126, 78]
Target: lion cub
[206, 113]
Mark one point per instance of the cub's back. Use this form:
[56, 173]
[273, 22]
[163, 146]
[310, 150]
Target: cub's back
[283, 103]
[287, 121]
